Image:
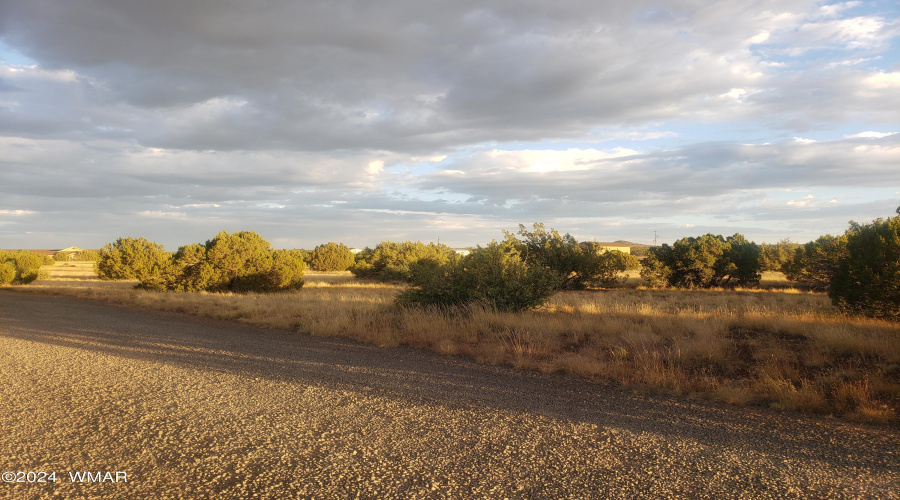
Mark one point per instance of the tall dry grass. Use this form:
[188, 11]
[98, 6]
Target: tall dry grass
[780, 347]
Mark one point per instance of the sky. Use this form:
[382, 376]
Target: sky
[451, 121]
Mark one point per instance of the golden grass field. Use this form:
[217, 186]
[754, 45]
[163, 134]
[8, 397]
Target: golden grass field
[772, 345]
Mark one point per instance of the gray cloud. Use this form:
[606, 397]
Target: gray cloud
[403, 76]
[317, 120]
[699, 170]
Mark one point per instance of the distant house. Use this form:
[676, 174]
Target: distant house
[72, 252]
[608, 246]
[462, 251]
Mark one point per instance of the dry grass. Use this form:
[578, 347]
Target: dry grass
[776, 346]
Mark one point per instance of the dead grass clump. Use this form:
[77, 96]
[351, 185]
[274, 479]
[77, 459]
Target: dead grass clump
[786, 395]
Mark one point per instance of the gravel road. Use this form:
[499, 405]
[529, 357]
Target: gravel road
[194, 408]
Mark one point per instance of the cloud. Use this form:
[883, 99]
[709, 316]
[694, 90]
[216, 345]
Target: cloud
[884, 80]
[703, 170]
[870, 135]
[344, 118]
[403, 77]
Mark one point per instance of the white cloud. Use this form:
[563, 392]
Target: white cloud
[26, 73]
[553, 160]
[759, 38]
[637, 135]
[869, 135]
[884, 80]
[375, 167]
[833, 10]
[17, 212]
[810, 201]
[159, 214]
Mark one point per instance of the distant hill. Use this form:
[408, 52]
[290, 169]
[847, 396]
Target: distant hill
[626, 243]
[43, 251]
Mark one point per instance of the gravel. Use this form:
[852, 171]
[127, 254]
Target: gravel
[195, 408]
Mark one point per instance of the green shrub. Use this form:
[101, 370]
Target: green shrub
[190, 272]
[129, 259]
[495, 275]
[87, 256]
[239, 260]
[287, 269]
[866, 279]
[25, 265]
[703, 262]
[27, 262]
[82, 256]
[814, 263]
[607, 267]
[576, 265]
[390, 261]
[7, 273]
[29, 276]
[231, 262]
[331, 257]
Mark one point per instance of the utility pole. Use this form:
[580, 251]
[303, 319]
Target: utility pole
[654, 238]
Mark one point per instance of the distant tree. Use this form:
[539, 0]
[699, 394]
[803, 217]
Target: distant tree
[390, 261]
[640, 251]
[560, 254]
[576, 265]
[703, 262]
[605, 268]
[496, 276]
[814, 263]
[866, 279]
[772, 257]
[331, 257]
[87, 256]
[739, 265]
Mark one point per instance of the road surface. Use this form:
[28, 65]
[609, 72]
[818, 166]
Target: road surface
[162, 405]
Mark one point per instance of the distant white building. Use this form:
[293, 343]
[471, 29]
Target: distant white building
[72, 252]
[607, 246]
